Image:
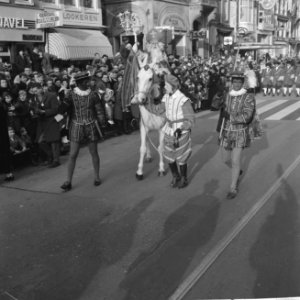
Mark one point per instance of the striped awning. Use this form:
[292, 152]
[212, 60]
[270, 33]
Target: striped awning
[77, 44]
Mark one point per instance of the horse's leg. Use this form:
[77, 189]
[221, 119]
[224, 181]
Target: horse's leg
[148, 151]
[161, 169]
[143, 133]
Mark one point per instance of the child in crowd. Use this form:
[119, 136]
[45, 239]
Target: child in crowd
[17, 145]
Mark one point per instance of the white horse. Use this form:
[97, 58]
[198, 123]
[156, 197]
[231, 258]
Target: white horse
[150, 120]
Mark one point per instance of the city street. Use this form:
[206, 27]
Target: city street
[142, 240]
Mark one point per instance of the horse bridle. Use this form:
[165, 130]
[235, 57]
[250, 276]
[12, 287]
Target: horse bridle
[146, 68]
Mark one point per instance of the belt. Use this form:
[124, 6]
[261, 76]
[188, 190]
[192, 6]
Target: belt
[83, 123]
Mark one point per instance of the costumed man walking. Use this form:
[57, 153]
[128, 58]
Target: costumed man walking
[236, 115]
[177, 130]
[86, 113]
[289, 78]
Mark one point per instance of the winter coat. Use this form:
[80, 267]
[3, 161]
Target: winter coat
[4, 144]
[48, 129]
[36, 62]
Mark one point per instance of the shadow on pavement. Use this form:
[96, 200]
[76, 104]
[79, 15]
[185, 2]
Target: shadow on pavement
[156, 274]
[274, 255]
[53, 250]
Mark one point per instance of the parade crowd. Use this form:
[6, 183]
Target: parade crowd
[33, 89]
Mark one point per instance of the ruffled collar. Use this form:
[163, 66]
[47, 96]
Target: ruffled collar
[79, 92]
[240, 92]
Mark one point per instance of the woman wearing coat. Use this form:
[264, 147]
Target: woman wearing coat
[5, 154]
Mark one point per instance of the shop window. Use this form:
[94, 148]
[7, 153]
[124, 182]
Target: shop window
[4, 53]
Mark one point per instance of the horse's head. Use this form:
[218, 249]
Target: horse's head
[145, 80]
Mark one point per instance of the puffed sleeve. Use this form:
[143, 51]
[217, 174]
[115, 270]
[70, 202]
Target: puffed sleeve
[188, 115]
[245, 115]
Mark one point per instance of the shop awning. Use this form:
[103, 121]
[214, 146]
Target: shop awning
[77, 44]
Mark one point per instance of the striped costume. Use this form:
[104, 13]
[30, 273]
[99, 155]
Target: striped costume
[179, 114]
[86, 112]
[239, 109]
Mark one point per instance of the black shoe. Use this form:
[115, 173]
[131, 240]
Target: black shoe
[175, 181]
[67, 186]
[9, 178]
[97, 182]
[45, 163]
[232, 194]
[183, 183]
[54, 164]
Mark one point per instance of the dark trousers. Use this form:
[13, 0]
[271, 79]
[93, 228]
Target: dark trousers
[52, 150]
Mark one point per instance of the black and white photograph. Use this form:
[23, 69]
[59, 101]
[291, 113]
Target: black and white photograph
[149, 149]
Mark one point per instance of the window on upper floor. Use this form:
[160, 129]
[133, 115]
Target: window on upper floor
[87, 3]
[68, 2]
[246, 11]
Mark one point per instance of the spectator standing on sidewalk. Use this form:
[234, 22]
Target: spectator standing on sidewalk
[5, 154]
[48, 128]
[36, 59]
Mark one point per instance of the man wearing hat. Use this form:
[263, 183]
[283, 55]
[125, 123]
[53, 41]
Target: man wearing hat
[86, 112]
[236, 116]
[289, 78]
[177, 130]
[277, 78]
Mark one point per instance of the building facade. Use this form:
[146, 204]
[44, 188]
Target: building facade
[66, 29]
[73, 29]
[194, 25]
[202, 26]
[17, 28]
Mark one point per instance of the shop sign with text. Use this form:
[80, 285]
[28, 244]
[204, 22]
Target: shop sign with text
[12, 23]
[47, 19]
[175, 21]
[82, 19]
